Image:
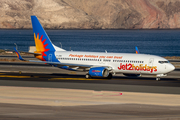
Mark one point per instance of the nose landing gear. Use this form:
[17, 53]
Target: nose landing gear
[158, 78]
[160, 75]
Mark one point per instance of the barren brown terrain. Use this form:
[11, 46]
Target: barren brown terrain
[91, 14]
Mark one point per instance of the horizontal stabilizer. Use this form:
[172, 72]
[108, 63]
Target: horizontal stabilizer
[30, 53]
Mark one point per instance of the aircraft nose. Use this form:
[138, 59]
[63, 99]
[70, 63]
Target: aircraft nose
[171, 67]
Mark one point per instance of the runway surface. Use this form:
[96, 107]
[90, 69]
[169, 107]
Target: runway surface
[41, 75]
[96, 112]
[141, 97]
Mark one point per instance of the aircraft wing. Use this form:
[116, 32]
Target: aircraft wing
[62, 64]
[69, 65]
[18, 55]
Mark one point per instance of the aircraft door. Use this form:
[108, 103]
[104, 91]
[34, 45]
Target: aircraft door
[50, 57]
[151, 60]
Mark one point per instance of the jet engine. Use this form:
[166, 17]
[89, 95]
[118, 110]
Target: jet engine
[98, 72]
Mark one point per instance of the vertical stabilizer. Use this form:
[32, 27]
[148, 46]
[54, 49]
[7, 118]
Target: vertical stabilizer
[42, 41]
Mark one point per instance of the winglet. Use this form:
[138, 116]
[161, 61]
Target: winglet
[18, 55]
[137, 51]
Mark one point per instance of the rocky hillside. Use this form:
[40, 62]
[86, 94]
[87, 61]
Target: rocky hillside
[91, 14]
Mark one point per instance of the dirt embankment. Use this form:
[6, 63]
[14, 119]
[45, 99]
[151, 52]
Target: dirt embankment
[91, 14]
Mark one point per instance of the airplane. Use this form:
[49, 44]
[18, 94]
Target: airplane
[96, 64]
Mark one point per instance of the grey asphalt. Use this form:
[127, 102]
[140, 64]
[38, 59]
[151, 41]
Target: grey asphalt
[95, 112]
[41, 75]
[49, 77]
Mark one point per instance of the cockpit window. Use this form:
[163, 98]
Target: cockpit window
[163, 62]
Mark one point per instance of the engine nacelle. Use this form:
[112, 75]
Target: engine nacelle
[98, 72]
[132, 75]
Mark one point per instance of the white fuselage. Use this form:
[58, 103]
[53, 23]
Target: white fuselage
[118, 62]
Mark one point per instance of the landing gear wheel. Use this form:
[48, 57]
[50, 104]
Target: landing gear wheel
[87, 76]
[109, 76]
[158, 79]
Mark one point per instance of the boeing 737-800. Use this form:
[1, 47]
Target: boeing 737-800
[96, 64]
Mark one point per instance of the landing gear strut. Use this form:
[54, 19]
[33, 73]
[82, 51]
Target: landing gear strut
[158, 78]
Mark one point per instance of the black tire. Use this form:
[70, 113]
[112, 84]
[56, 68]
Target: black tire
[109, 76]
[87, 76]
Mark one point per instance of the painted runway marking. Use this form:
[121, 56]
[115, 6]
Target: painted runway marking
[15, 76]
[12, 76]
[73, 79]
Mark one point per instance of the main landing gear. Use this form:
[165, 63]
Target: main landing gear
[108, 77]
[87, 76]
